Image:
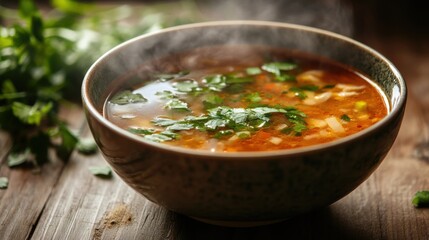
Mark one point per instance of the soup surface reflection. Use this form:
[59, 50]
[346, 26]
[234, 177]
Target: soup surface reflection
[245, 98]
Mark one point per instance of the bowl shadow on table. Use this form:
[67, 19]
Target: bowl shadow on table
[318, 224]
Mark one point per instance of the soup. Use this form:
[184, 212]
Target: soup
[245, 98]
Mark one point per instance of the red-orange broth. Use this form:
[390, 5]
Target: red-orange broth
[246, 98]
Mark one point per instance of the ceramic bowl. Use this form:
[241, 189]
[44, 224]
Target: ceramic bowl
[245, 188]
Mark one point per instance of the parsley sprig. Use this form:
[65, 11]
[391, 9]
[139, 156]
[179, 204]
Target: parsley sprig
[43, 59]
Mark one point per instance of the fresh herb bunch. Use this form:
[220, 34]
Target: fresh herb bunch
[42, 62]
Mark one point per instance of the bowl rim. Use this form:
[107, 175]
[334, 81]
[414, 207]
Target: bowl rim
[392, 112]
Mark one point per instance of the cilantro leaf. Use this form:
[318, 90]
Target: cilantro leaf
[4, 182]
[166, 94]
[211, 101]
[226, 120]
[86, 146]
[276, 67]
[127, 97]
[345, 117]
[421, 199]
[31, 115]
[253, 97]
[253, 71]
[141, 131]
[176, 104]
[186, 86]
[101, 171]
[17, 158]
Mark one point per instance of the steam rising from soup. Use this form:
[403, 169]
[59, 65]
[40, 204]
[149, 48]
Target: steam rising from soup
[245, 98]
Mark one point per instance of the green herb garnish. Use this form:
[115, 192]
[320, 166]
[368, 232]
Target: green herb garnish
[166, 94]
[421, 199]
[86, 146]
[226, 120]
[253, 71]
[279, 68]
[4, 182]
[101, 171]
[176, 104]
[211, 101]
[299, 91]
[345, 117]
[253, 97]
[186, 86]
[127, 97]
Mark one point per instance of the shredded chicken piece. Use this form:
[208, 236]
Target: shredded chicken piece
[317, 99]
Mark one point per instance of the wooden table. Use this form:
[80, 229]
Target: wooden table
[65, 201]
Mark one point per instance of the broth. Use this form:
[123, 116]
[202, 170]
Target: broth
[245, 98]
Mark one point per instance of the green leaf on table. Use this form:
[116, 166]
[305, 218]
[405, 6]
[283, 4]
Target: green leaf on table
[86, 146]
[4, 182]
[18, 158]
[68, 142]
[101, 171]
[421, 199]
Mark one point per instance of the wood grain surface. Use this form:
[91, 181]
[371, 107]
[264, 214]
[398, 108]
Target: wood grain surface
[65, 201]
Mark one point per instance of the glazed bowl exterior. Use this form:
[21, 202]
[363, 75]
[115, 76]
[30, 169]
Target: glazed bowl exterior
[244, 187]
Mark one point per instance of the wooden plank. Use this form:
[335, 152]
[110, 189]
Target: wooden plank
[83, 206]
[23, 201]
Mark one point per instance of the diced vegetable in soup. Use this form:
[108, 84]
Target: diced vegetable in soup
[246, 98]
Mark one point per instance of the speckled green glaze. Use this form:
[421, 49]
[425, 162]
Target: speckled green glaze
[251, 187]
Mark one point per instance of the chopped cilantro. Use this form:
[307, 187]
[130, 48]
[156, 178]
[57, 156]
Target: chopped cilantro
[166, 94]
[212, 100]
[311, 88]
[101, 171]
[86, 146]
[277, 67]
[18, 158]
[253, 71]
[243, 134]
[127, 97]
[223, 133]
[253, 97]
[215, 82]
[285, 78]
[233, 79]
[225, 120]
[186, 86]
[345, 117]
[176, 104]
[4, 182]
[299, 91]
